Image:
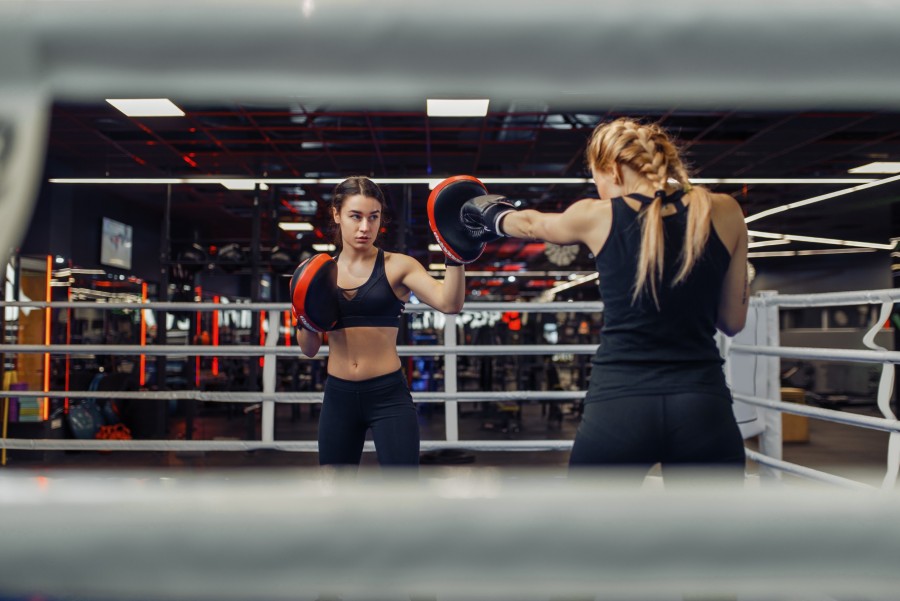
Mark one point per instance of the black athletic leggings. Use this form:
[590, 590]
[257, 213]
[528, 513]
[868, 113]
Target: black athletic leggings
[350, 408]
[684, 429]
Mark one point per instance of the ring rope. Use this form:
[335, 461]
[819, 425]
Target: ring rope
[840, 417]
[806, 472]
[788, 352]
[829, 299]
[305, 446]
[172, 307]
[295, 351]
[292, 397]
[470, 535]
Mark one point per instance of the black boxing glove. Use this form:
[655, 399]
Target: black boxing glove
[481, 216]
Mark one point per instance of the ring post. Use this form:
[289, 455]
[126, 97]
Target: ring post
[267, 420]
[768, 377]
[451, 411]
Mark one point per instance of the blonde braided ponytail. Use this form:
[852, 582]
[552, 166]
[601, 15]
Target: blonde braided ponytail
[649, 151]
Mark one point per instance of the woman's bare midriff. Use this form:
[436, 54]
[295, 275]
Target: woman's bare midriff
[362, 353]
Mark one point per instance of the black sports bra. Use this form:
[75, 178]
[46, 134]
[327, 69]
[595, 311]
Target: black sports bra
[373, 305]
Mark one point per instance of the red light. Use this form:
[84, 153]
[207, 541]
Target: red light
[511, 267]
[513, 320]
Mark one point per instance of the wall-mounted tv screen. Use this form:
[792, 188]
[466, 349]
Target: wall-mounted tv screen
[115, 244]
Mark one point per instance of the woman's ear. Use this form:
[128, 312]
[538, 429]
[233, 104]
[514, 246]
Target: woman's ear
[618, 178]
[335, 215]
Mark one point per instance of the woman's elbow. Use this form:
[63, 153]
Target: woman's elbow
[732, 327]
[454, 308]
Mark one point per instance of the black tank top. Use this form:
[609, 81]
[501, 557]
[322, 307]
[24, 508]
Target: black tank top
[645, 349]
[373, 305]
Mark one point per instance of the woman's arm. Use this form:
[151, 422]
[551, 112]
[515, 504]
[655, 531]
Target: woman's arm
[447, 295]
[729, 222]
[587, 220]
[310, 342]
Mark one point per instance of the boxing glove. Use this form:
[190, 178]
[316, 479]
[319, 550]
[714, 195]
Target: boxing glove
[481, 216]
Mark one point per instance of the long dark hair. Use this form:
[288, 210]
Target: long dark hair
[356, 184]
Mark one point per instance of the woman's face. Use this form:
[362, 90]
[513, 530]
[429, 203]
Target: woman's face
[359, 220]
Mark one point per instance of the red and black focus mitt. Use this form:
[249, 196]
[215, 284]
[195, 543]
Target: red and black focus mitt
[444, 205]
[314, 293]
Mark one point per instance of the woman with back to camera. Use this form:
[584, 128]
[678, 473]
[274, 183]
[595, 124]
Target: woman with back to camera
[365, 388]
[672, 265]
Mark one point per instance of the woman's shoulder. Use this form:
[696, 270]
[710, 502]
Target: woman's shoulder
[725, 204]
[396, 257]
[590, 208]
[397, 260]
[593, 204]
[727, 218]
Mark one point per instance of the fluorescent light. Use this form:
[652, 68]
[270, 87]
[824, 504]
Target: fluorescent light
[708, 181]
[457, 108]
[817, 240]
[877, 167]
[146, 107]
[324, 248]
[434, 247]
[804, 253]
[431, 182]
[768, 243]
[814, 199]
[576, 282]
[243, 184]
[295, 226]
[436, 266]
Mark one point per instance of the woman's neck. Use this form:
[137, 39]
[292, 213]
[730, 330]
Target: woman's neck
[353, 255]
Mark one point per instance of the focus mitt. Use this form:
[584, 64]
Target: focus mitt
[314, 293]
[444, 205]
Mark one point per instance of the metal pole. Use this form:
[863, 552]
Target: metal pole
[770, 441]
[160, 409]
[268, 379]
[451, 410]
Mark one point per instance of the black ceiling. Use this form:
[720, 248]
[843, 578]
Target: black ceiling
[524, 140]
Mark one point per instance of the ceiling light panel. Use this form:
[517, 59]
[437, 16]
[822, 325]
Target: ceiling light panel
[146, 107]
[437, 107]
[296, 226]
[877, 167]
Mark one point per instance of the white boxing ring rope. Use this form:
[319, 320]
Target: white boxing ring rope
[462, 534]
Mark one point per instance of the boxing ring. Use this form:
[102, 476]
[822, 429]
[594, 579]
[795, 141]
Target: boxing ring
[438, 531]
[751, 364]
[460, 533]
